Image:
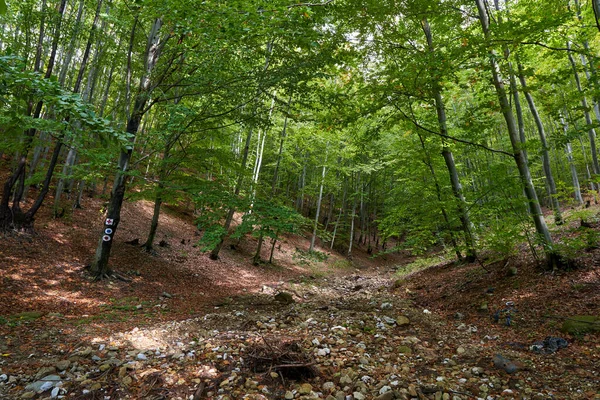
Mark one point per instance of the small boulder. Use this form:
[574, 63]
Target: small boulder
[284, 298]
[44, 371]
[63, 365]
[402, 320]
[305, 388]
[385, 396]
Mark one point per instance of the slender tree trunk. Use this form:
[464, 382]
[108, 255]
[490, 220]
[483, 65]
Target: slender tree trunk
[438, 190]
[337, 222]
[545, 156]
[574, 177]
[214, 254]
[450, 164]
[280, 153]
[521, 162]
[588, 119]
[352, 220]
[316, 223]
[71, 49]
[256, 259]
[273, 248]
[100, 266]
[37, 63]
[155, 216]
[8, 215]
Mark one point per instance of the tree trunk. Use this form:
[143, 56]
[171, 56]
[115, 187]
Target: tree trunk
[256, 259]
[9, 216]
[521, 162]
[352, 221]
[280, 153]
[71, 49]
[545, 156]
[100, 266]
[450, 164]
[273, 248]
[588, 119]
[574, 177]
[314, 235]
[214, 254]
[155, 215]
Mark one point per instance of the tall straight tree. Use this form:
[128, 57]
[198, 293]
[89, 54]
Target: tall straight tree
[449, 157]
[513, 133]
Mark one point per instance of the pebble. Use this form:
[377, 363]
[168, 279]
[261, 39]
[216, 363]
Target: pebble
[305, 388]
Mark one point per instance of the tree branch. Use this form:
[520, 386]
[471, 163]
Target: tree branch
[311, 4]
[415, 123]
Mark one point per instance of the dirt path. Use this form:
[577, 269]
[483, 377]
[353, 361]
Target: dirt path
[341, 336]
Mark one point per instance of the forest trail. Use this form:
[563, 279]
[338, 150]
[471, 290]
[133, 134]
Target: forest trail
[333, 337]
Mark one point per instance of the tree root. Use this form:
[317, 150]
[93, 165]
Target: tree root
[111, 275]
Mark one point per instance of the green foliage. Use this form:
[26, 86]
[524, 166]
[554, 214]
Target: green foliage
[269, 219]
[420, 264]
[308, 256]
[581, 240]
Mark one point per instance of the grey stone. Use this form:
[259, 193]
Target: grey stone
[358, 396]
[385, 396]
[42, 372]
[63, 365]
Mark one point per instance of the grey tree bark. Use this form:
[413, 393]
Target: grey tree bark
[316, 223]
[545, 156]
[513, 132]
[588, 119]
[449, 160]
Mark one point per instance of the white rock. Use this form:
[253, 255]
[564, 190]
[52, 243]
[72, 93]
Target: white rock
[46, 386]
[426, 311]
[323, 352]
[55, 392]
[384, 389]
[358, 396]
[3, 378]
[141, 356]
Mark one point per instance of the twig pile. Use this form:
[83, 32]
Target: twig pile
[284, 356]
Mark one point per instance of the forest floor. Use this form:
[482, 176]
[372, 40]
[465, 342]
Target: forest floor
[187, 327]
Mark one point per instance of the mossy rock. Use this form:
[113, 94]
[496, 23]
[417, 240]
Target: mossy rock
[398, 283]
[284, 298]
[404, 350]
[581, 324]
[27, 316]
